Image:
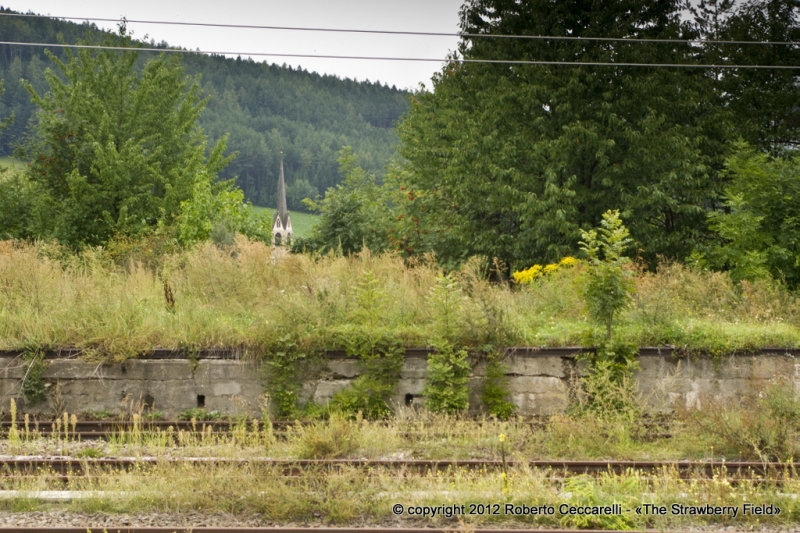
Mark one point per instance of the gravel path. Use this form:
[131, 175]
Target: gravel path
[57, 518]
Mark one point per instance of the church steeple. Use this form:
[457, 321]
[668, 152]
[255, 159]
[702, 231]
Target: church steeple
[282, 224]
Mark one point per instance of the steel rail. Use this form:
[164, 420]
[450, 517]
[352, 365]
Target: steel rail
[191, 529]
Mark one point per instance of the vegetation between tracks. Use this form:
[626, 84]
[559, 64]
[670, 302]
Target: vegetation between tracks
[765, 430]
[340, 497]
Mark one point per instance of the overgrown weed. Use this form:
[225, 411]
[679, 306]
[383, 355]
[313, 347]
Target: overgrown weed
[247, 298]
[765, 427]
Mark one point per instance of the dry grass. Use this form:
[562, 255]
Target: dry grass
[248, 297]
[353, 496]
[349, 496]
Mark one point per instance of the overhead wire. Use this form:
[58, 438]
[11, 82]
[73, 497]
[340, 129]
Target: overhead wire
[418, 59]
[410, 33]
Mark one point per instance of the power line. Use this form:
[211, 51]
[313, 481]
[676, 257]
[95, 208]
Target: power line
[415, 33]
[418, 59]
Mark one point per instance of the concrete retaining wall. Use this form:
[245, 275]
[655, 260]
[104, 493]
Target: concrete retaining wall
[539, 381]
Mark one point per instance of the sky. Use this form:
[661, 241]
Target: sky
[395, 15]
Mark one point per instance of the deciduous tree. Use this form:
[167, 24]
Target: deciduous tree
[117, 150]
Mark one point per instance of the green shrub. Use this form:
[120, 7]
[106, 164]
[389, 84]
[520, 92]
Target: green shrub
[33, 386]
[494, 393]
[199, 413]
[284, 366]
[381, 358]
[380, 354]
[608, 389]
[446, 380]
[609, 285]
[336, 437]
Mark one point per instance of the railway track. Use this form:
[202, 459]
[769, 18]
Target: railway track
[190, 529]
[107, 429]
[68, 466]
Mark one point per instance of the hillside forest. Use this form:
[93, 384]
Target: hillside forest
[262, 108]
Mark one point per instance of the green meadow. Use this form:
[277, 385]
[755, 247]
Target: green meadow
[301, 222]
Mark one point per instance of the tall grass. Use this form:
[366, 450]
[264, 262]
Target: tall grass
[248, 296]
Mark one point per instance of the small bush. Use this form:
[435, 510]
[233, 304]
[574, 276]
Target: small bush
[33, 386]
[331, 439]
[200, 414]
[446, 380]
[284, 366]
[494, 393]
[765, 428]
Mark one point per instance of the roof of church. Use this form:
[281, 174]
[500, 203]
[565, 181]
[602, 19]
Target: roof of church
[282, 211]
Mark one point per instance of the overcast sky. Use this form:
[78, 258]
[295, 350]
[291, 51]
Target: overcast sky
[405, 15]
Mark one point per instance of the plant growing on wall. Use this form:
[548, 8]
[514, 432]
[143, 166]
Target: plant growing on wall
[33, 386]
[608, 385]
[380, 354]
[448, 369]
[494, 393]
[284, 365]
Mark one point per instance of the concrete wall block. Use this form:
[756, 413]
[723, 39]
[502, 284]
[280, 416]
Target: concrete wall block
[540, 404]
[344, 368]
[770, 368]
[536, 385]
[656, 367]
[326, 389]
[414, 368]
[536, 366]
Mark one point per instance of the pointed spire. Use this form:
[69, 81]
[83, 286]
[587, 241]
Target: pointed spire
[282, 211]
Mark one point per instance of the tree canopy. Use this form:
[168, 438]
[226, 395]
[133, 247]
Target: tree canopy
[514, 161]
[116, 151]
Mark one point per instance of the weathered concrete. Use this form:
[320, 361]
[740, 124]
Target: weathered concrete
[538, 381]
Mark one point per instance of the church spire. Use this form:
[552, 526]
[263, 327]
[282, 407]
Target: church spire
[282, 211]
[282, 225]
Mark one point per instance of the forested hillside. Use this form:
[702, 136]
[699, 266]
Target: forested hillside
[264, 108]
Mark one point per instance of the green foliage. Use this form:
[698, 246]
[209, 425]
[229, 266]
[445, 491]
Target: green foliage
[609, 284]
[446, 380]
[380, 355]
[607, 388]
[446, 304]
[17, 199]
[353, 215]
[763, 101]
[199, 414]
[284, 367]
[448, 369]
[608, 385]
[760, 228]
[116, 151]
[494, 393]
[513, 161]
[367, 395]
[33, 386]
[218, 211]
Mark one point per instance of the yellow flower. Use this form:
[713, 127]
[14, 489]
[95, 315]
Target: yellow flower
[568, 261]
[502, 437]
[550, 268]
[527, 275]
